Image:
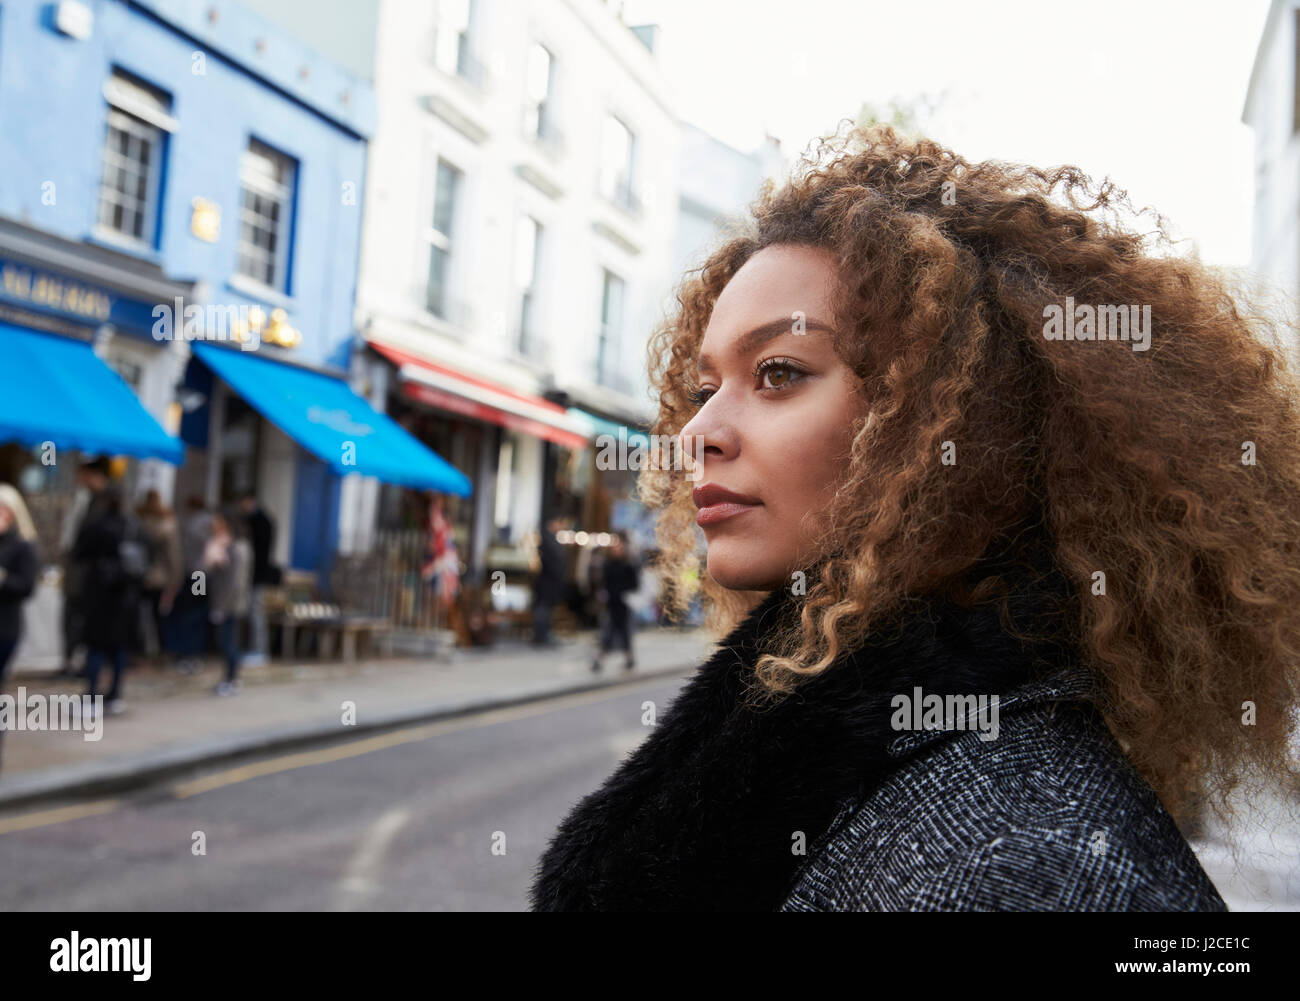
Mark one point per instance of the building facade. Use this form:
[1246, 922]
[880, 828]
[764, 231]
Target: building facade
[196, 175]
[1272, 110]
[521, 208]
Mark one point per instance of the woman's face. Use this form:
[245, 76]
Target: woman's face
[777, 418]
[6, 519]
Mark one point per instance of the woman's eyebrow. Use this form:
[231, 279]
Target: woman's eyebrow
[752, 340]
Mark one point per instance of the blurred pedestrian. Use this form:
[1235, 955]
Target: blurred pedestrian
[187, 626]
[93, 476]
[441, 567]
[17, 571]
[161, 581]
[548, 585]
[228, 563]
[111, 547]
[586, 575]
[265, 574]
[621, 574]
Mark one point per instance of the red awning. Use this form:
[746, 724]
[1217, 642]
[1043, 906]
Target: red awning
[457, 392]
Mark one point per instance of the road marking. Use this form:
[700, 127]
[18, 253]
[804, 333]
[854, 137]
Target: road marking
[43, 818]
[360, 877]
[355, 748]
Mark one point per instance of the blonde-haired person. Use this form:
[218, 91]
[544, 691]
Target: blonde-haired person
[18, 567]
[993, 596]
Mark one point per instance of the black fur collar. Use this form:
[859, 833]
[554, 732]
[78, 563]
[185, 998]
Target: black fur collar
[703, 814]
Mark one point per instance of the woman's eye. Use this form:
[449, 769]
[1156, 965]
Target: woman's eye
[778, 376]
[774, 376]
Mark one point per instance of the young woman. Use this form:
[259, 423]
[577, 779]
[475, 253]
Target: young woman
[1003, 598]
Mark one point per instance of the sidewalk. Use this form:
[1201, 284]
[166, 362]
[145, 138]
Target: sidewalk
[174, 723]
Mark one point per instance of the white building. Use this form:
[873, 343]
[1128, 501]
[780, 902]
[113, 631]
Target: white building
[1272, 109]
[718, 183]
[521, 207]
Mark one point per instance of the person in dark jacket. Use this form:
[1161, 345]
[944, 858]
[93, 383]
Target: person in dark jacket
[548, 585]
[265, 574]
[93, 476]
[619, 576]
[187, 626]
[112, 548]
[1003, 597]
[18, 568]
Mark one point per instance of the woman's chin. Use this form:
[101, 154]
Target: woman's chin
[738, 570]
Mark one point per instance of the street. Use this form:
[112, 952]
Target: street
[402, 821]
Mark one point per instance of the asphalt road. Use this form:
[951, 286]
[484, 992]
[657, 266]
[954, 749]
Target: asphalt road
[401, 821]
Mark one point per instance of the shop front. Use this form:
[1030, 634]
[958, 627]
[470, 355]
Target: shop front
[82, 376]
[290, 434]
[501, 437]
[600, 484]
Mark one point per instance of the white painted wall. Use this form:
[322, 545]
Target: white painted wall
[600, 67]
[1275, 245]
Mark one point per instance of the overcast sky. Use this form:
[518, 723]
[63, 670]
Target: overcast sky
[1148, 92]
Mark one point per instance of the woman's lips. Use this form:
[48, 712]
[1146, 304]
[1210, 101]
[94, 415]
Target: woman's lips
[714, 513]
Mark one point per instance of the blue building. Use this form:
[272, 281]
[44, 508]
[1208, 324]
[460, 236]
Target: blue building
[180, 204]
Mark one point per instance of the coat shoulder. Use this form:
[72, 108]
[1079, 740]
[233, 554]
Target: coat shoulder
[1049, 816]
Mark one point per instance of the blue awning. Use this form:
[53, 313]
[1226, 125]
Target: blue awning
[326, 418]
[56, 389]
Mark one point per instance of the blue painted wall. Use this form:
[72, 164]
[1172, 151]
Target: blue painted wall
[52, 121]
[316, 521]
[256, 80]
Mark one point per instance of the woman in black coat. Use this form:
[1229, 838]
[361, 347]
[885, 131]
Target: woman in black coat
[114, 556]
[996, 571]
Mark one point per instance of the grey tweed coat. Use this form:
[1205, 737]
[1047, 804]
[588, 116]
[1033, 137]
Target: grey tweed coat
[820, 803]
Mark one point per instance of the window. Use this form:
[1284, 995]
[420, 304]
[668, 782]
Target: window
[134, 141]
[528, 238]
[538, 82]
[446, 194]
[617, 149]
[611, 319]
[266, 180]
[454, 41]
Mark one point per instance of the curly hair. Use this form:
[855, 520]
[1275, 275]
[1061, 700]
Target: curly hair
[1165, 480]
